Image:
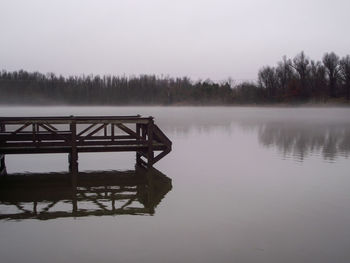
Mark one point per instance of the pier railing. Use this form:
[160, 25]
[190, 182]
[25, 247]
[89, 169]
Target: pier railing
[75, 134]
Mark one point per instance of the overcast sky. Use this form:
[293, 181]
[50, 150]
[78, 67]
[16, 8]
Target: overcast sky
[196, 38]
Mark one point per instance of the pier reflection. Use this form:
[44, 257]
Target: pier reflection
[51, 196]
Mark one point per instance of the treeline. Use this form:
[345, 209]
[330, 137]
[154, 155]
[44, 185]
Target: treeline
[292, 80]
[33, 88]
[303, 79]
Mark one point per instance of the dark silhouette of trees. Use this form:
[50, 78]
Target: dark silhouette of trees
[284, 74]
[36, 88]
[247, 92]
[267, 80]
[302, 68]
[344, 66]
[331, 63]
[292, 80]
[317, 80]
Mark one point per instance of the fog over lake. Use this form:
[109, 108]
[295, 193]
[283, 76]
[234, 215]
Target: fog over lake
[248, 184]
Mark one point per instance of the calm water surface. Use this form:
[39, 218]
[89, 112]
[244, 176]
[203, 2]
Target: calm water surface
[248, 185]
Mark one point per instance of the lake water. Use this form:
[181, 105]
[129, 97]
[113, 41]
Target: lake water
[248, 184]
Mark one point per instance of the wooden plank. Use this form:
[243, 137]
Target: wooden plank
[118, 148]
[34, 150]
[83, 121]
[33, 144]
[76, 118]
[67, 149]
[97, 143]
[49, 136]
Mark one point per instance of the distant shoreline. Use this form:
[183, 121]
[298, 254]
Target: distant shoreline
[262, 105]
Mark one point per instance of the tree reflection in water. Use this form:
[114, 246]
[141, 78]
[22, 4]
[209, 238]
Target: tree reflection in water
[302, 139]
[295, 132]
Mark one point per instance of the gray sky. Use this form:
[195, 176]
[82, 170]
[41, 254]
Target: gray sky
[196, 38]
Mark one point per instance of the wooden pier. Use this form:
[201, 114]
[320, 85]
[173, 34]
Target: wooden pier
[79, 134]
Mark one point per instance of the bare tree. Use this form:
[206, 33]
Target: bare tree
[344, 66]
[318, 79]
[267, 79]
[331, 62]
[302, 67]
[284, 74]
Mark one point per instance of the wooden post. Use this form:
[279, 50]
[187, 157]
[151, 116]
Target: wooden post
[150, 191]
[74, 199]
[105, 131]
[73, 158]
[38, 131]
[2, 165]
[138, 155]
[150, 154]
[112, 131]
[34, 132]
[35, 207]
[2, 156]
[144, 131]
[113, 200]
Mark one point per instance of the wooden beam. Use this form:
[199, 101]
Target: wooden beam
[138, 132]
[160, 135]
[22, 137]
[150, 153]
[74, 153]
[128, 130]
[2, 165]
[160, 155]
[50, 126]
[21, 128]
[85, 130]
[51, 131]
[93, 132]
